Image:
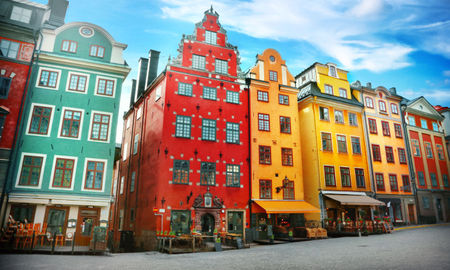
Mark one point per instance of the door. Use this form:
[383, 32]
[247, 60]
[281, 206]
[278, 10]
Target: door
[235, 222]
[412, 218]
[88, 218]
[439, 210]
[208, 224]
[56, 221]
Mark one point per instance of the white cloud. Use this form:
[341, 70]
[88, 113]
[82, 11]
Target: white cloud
[446, 73]
[434, 96]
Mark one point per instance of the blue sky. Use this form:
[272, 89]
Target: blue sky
[398, 43]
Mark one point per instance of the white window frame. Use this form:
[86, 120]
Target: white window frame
[50, 124]
[58, 79]
[86, 87]
[325, 89]
[335, 70]
[341, 91]
[17, 14]
[11, 42]
[200, 57]
[23, 154]
[136, 143]
[422, 121]
[221, 66]
[63, 109]
[210, 37]
[122, 181]
[139, 113]
[55, 157]
[97, 80]
[86, 160]
[125, 152]
[91, 125]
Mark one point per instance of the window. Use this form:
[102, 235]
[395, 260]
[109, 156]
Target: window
[180, 172]
[328, 89]
[360, 181]
[132, 182]
[264, 155]
[263, 96]
[416, 147]
[285, 124]
[210, 37]
[122, 181]
[341, 143]
[428, 150]
[373, 126]
[125, 152]
[208, 173]
[286, 157]
[97, 51]
[435, 126]
[69, 46]
[273, 76]
[385, 127]
[94, 175]
[376, 152]
[208, 129]
[343, 92]
[9, 48]
[323, 114]
[139, 113]
[2, 124]
[329, 176]
[233, 97]
[394, 108]
[185, 89]
[265, 189]
[221, 66]
[356, 146]
[426, 202]
[339, 117]
[398, 131]
[183, 126]
[77, 83]
[288, 190]
[445, 180]
[369, 102]
[233, 175]
[352, 120]
[401, 156]
[421, 178]
[209, 93]
[406, 185]
[71, 123]
[440, 152]
[345, 177]
[100, 127]
[283, 99]
[332, 71]
[393, 182]
[48, 78]
[63, 173]
[382, 106]
[180, 221]
[5, 84]
[412, 120]
[423, 123]
[263, 122]
[21, 14]
[389, 154]
[131, 214]
[136, 144]
[380, 181]
[30, 172]
[433, 180]
[326, 142]
[198, 61]
[105, 87]
[40, 120]
[232, 133]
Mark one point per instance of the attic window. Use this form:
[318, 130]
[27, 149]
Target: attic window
[86, 31]
[210, 37]
[332, 71]
[21, 14]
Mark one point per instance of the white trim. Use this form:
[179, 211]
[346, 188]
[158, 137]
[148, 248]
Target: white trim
[36, 198]
[58, 78]
[50, 124]
[41, 176]
[331, 139]
[63, 109]
[104, 174]
[50, 186]
[97, 79]
[337, 143]
[344, 192]
[84, 35]
[80, 70]
[109, 126]
[86, 87]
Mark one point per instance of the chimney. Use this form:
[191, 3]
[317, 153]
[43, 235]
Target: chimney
[369, 85]
[58, 10]
[152, 68]
[133, 92]
[393, 90]
[142, 72]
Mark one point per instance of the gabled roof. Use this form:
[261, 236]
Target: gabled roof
[311, 89]
[421, 106]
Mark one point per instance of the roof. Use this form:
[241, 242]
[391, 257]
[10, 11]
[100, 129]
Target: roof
[284, 206]
[355, 199]
[311, 89]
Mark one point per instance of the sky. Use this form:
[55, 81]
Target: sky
[398, 43]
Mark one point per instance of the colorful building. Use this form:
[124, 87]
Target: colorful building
[185, 149]
[276, 163]
[64, 167]
[445, 111]
[332, 134]
[431, 162]
[388, 162]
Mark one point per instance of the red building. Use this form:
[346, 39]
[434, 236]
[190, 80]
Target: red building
[185, 152]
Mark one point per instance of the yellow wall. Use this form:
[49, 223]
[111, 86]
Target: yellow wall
[339, 82]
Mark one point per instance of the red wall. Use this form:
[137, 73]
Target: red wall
[442, 163]
[418, 161]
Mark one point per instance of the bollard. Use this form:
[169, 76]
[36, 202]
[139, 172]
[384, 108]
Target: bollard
[359, 232]
[53, 242]
[73, 241]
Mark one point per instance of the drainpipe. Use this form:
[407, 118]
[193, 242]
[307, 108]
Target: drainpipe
[250, 154]
[368, 149]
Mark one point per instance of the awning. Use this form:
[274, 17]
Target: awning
[287, 207]
[355, 199]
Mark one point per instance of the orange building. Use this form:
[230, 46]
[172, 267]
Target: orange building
[276, 163]
[388, 162]
[332, 132]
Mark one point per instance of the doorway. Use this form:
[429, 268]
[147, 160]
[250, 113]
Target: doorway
[88, 218]
[56, 219]
[412, 218]
[439, 210]
[208, 224]
[235, 222]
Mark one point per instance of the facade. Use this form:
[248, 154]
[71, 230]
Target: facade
[276, 162]
[334, 154]
[64, 167]
[445, 111]
[388, 161]
[185, 150]
[431, 162]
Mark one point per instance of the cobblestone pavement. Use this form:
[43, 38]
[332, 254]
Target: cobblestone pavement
[415, 248]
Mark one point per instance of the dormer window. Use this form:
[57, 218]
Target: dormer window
[69, 46]
[97, 51]
[332, 71]
[210, 37]
[21, 14]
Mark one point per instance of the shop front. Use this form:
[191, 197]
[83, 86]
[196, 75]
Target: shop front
[399, 209]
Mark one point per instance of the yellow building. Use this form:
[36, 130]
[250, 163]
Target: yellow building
[388, 159]
[335, 166]
[276, 165]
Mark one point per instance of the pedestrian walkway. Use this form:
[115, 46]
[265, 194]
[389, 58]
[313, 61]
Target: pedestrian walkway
[420, 226]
